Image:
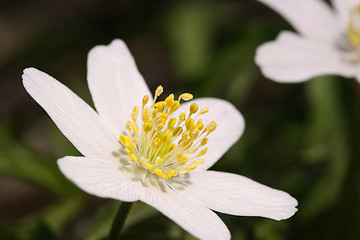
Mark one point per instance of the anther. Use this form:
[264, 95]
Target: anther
[182, 117]
[132, 156]
[174, 106]
[145, 100]
[159, 90]
[149, 166]
[147, 127]
[202, 152]
[158, 160]
[123, 140]
[185, 97]
[158, 171]
[204, 110]
[193, 108]
[135, 113]
[172, 123]
[189, 123]
[199, 161]
[204, 141]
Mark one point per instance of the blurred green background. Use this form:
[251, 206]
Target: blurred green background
[301, 138]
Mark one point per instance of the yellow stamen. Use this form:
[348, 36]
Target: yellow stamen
[199, 161]
[159, 90]
[204, 110]
[204, 141]
[193, 108]
[147, 127]
[132, 156]
[166, 176]
[202, 152]
[145, 100]
[185, 97]
[158, 171]
[172, 172]
[166, 145]
[149, 166]
[123, 140]
[353, 30]
[189, 123]
[182, 117]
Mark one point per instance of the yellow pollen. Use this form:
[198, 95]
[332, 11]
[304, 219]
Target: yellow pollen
[162, 143]
[169, 100]
[145, 100]
[179, 155]
[123, 140]
[128, 126]
[193, 108]
[132, 145]
[353, 30]
[184, 158]
[174, 106]
[166, 176]
[172, 123]
[158, 172]
[185, 97]
[183, 171]
[184, 136]
[204, 110]
[204, 141]
[149, 166]
[159, 90]
[202, 152]
[199, 161]
[158, 160]
[135, 113]
[171, 147]
[147, 127]
[189, 123]
[193, 149]
[177, 132]
[191, 167]
[132, 156]
[182, 117]
[182, 163]
[159, 106]
[211, 127]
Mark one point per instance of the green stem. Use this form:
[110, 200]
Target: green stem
[119, 220]
[329, 141]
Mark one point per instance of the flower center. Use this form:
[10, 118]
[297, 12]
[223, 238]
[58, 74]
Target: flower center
[353, 30]
[167, 145]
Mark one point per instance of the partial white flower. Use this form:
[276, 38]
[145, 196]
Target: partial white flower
[158, 152]
[327, 42]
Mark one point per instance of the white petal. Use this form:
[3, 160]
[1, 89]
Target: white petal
[101, 178]
[238, 195]
[115, 84]
[230, 126]
[291, 58]
[312, 18]
[192, 217]
[76, 119]
[343, 8]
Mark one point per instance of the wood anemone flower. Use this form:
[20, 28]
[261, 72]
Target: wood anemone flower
[137, 148]
[327, 42]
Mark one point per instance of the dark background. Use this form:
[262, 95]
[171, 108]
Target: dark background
[301, 138]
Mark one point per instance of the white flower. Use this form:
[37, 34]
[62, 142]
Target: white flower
[328, 41]
[133, 153]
